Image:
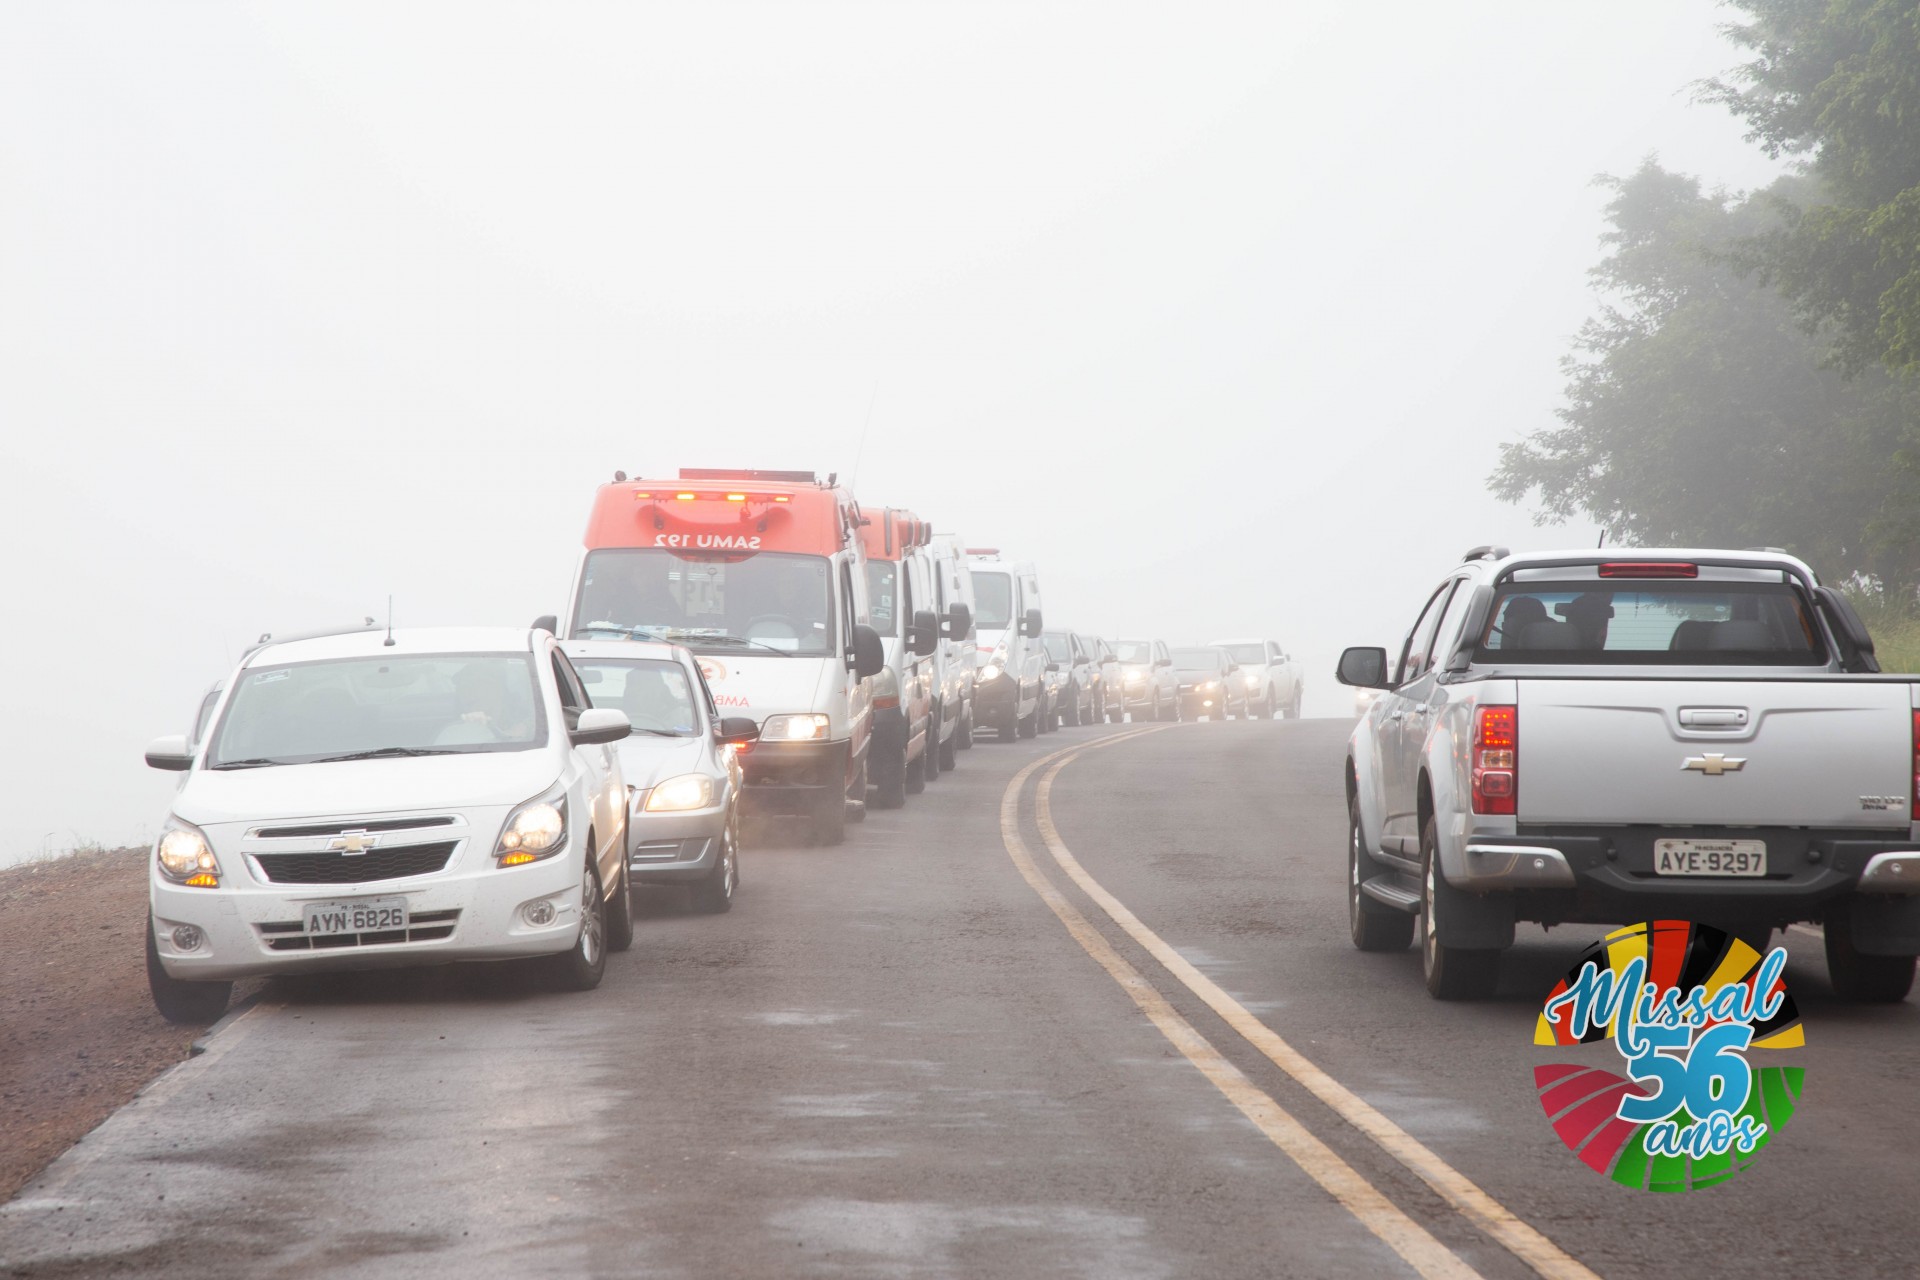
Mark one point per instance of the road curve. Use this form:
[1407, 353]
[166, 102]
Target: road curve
[896, 1057]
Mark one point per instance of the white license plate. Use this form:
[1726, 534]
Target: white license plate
[360, 915]
[1710, 857]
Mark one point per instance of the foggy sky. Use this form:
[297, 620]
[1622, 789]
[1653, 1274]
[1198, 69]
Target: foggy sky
[1216, 312]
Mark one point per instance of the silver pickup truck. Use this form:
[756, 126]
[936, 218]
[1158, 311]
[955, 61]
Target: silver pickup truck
[1623, 735]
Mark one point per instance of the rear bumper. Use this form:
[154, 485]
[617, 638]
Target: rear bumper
[996, 703]
[1607, 875]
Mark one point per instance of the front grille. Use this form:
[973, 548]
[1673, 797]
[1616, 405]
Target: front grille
[334, 867]
[426, 926]
[668, 851]
[335, 828]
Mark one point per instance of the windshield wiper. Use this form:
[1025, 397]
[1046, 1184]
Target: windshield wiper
[659, 733]
[378, 752]
[722, 638]
[259, 763]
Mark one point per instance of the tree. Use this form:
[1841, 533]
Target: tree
[1838, 81]
[1699, 411]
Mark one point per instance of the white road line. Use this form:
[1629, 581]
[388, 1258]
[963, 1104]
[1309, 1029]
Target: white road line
[1374, 1211]
[1499, 1222]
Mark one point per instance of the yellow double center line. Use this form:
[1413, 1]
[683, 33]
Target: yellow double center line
[1374, 1211]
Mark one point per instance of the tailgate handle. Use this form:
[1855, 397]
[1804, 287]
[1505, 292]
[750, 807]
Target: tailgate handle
[1714, 717]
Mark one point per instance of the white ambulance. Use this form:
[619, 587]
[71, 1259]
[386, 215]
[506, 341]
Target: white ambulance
[956, 661]
[760, 574]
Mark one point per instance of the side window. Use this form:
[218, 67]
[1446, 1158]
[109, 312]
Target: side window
[1413, 655]
[846, 605]
[706, 697]
[1447, 637]
[573, 694]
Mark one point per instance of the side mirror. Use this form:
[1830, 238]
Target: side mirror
[171, 753]
[1030, 625]
[923, 634]
[739, 730]
[959, 621]
[867, 654]
[548, 623]
[1053, 666]
[1163, 662]
[599, 726]
[1363, 668]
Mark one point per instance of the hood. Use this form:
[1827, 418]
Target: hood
[646, 760]
[366, 787]
[765, 686]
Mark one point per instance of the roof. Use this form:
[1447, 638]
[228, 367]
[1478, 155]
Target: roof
[1247, 640]
[1632, 555]
[406, 640]
[705, 517]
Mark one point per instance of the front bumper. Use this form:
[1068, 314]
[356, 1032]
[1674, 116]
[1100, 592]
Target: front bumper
[673, 848]
[251, 930]
[996, 702]
[792, 779]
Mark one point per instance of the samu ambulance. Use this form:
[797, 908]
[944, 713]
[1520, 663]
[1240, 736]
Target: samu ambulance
[904, 757]
[1007, 690]
[760, 574]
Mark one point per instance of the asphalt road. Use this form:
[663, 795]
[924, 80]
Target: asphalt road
[935, 1051]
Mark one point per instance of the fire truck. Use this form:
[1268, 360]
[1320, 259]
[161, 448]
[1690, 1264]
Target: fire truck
[761, 575]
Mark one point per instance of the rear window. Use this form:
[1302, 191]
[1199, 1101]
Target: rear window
[1671, 624]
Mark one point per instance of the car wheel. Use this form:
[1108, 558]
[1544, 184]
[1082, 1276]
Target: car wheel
[1070, 711]
[714, 894]
[1863, 978]
[581, 966]
[830, 819]
[620, 915]
[890, 781]
[1047, 718]
[963, 736]
[852, 809]
[1030, 726]
[916, 777]
[1375, 926]
[1452, 973]
[951, 747]
[190, 1004]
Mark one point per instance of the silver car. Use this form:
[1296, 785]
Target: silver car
[683, 777]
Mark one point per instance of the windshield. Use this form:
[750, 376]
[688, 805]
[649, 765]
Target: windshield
[1197, 659]
[362, 707]
[993, 601]
[1057, 647]
[767, 601]
[1247, 655]
[882, 581]
[655, 694]
[1133, 650]
[1672, 624]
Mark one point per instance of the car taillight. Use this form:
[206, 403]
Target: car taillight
[1649, 569]
[1496, 759]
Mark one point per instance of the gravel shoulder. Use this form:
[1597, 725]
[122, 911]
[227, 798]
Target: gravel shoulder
[78, 1033]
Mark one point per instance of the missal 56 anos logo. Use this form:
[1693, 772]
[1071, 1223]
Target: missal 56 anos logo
[1677, 1104]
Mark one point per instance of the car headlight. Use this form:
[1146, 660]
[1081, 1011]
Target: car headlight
[1209, 684]
[688, 791]
[1253, 682]
[536, 830]
[988, 672]
[1136, 677]
[185, 857]
[807, 727]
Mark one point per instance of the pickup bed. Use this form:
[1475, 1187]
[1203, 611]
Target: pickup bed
[1616, 736]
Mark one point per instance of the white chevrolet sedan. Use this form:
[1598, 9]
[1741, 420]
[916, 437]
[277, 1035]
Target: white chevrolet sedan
[370, 800]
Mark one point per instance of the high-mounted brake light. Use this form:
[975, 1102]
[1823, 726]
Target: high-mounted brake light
[1496, 760]
[1649, 569]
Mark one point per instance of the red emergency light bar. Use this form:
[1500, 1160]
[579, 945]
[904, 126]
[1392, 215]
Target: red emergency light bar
[1649, 569]
[760, 477]
[983, 551]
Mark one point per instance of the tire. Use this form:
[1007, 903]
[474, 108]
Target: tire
[915, 780]
[581, 966]
[1070, 714]
[188, 1004]
[890, 786]
[1155, 711]
[1452, 973]
[829, 825]
[963, 736]
[930, 758]
[1293, 708]
[1029, 727]
[950, 748]
[1046, 718]
[1375, 926]
[1018, 730]
[620, 915]
[714, 895]
[1862, 978]
[851, 810]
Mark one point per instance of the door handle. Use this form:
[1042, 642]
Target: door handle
[1396, 714]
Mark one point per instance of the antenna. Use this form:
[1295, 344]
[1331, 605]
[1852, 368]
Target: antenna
[1603, 539]
[388, 642]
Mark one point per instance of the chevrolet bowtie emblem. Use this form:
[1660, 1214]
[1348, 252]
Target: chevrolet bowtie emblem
[352, 842]
[1713, 764]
